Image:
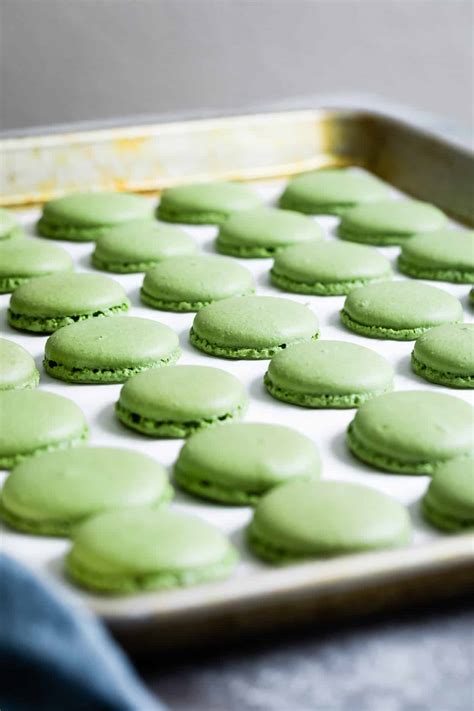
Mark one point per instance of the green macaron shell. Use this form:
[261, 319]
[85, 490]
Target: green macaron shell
[17, 367]
[58, 490]
[399, 310]
[9, 227]
[132, 550]
[390, 222]
[412, 432]
[36, 421]
[328, 374]
[205, 203]
[86, 216]
[25, 259]
[306, 519]
[331, 192]
[252, 327]
[181, 401]
[238, 463]
[138, 246]
[187, 283]
[449, 500]
[47, 303]
[446, 255]
[445, 355]
[109, 351]
[265, 231]
[328, 268]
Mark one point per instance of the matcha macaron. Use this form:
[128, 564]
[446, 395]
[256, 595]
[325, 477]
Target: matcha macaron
[238, 463]
[137, 549]
[328, 374]
[205, 203]
[331, 191]
[252, 327]
[445, 355]
[138, 246]
[390, 222]
[109, 350]
[328, 268]
[265, 231]
[58, 490]
[25, 259]
[47, 303]
[9, 227]
[445, 255]
[449, 501]
[82, 217]
[36, 421]
[187, 283]
[412, 432]
[398, 310]
[17, 367]
[318, 519]
[181, 401]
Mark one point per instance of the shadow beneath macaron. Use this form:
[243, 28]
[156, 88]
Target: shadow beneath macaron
[257, 390]
[108, 421]
[417, 518]
[263, 279]
[403, 367]
[85, 262]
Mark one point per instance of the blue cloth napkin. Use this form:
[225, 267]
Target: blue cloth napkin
[55, 657]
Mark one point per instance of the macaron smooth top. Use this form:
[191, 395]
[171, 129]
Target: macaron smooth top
[264, 231]
[445, 355]
[85, 216]
[333, 374]
[37, 421]
[24, 259]
[252, 327]
[138, 246]
[399, 310]
[139, 549]
[206, 203]
[390, 221]
[302, 520]
[58, 490]
[180, 401]
[109, 350]
[412, 432]
[328, 268]
[50, 302]
[332, 191]
[238, 463]
[445, 255]
[17, 367]
[187, 283]
[9, 227]
[449, 501]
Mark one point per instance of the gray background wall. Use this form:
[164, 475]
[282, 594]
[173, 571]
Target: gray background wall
[73, 60]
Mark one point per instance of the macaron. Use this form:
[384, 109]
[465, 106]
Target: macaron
[445, 355]
[265, 231]
[238, 463]
[390, 222]
[139, 246]
[449, 501]
[58, 490]
[133, 550]
[82, 217]
[398, 310]
[205, 203]
[332, 191]
[412, 431]
[317, 519]
[47, 303]
[446, 255]
[252, 327]
[328, 374]
[9, 227]
[187, 283]
[328, 268]
[36, 421]
[17, 367]
[109, 350]
[25, 259]
[181, 401]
